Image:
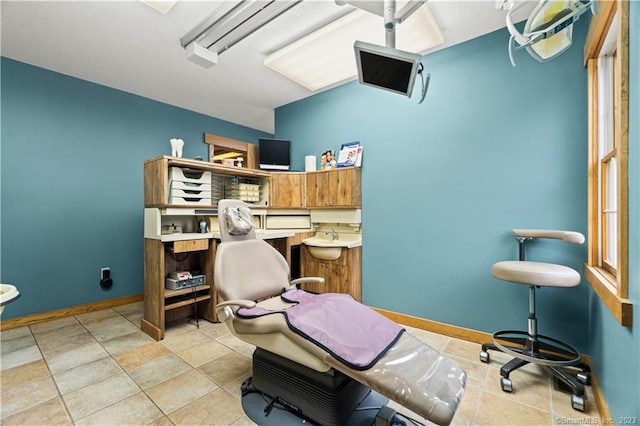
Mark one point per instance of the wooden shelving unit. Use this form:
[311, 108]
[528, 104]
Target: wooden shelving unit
[164, 254]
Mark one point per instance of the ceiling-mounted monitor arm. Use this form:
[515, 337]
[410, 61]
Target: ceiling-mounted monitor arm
[378, 8]
[390, 23]
[391, 18]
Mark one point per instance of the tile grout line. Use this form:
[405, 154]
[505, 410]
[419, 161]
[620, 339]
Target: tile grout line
[125, 372]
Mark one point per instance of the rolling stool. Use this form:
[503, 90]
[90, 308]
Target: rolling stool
[529, 346]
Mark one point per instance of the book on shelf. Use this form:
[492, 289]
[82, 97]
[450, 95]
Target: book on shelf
[359, 157]
[348, 154]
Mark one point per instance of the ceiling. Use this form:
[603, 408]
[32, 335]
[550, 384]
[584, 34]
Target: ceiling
[131, 47]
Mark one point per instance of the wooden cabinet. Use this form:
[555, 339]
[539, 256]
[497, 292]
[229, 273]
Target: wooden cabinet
[343, 275]
[287, 190]
[162, 305]
[334, 188]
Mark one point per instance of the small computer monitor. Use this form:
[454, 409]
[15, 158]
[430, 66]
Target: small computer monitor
[386, 68]
[274, 154]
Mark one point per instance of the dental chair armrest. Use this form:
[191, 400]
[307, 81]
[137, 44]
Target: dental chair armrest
[316, 280]
[567, 236]
[226, 309]
[239, 303]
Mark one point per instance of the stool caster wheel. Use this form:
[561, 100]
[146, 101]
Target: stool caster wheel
[484, 356]
[584, 377]
[577, 403]
[506, 384]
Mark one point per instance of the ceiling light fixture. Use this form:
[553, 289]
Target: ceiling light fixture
[231, 23]
[324, 58]
[162, 6]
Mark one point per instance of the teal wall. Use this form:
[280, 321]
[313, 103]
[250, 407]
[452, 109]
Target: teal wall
[492, 148]
[615, 350]
[72, 183]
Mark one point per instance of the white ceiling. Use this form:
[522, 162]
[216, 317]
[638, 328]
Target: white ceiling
[129, 46]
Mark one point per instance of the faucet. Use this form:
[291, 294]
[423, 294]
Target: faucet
[334, 234]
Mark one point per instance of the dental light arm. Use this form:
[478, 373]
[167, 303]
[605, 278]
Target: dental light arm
[535, 32]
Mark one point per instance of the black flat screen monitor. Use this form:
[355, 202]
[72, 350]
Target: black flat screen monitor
[385, 68]
[274, 154]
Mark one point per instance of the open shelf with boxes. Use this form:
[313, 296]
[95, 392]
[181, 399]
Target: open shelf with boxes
[178, 182]
[163, 305]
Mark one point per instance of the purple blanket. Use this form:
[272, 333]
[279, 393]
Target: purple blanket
[353, 333]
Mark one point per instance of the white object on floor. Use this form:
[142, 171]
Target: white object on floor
[8, 293]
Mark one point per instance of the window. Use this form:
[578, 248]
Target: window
[608, 171]
[606, 55]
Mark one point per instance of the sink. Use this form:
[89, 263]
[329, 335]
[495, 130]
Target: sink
[8, 293]
[325, 253]
[323, 247]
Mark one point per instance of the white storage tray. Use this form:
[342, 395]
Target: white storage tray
[190, 186]
[190, 201]
[189, 175]
[190, 193]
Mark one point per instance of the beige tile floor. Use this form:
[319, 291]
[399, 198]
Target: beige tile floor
[100, 369]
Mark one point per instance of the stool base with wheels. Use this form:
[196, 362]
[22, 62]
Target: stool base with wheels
[560, 359]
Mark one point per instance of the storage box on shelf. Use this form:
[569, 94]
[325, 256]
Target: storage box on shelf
[189, 186]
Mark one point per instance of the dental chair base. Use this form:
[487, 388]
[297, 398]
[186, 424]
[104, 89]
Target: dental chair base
[325, 398]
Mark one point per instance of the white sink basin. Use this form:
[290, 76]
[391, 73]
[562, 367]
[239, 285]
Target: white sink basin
[325, 253]
[323, 247]
[8, 293]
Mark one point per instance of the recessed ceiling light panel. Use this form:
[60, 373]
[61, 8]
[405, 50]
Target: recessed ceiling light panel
[160, 5]
[325, 58]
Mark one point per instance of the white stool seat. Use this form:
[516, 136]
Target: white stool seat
[536, 273]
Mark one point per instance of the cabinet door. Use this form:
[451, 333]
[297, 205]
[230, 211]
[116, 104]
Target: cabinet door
[341, 275]
[317, 182]
[345, 188]
[286, 190]
[334, 188]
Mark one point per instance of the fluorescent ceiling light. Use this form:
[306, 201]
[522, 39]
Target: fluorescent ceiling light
[161, 6]
[325, 57]
[233, 21]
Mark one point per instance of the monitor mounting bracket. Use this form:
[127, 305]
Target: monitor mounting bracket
[386, 10]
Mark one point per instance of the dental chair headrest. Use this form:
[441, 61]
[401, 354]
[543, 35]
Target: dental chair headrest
[235, 221]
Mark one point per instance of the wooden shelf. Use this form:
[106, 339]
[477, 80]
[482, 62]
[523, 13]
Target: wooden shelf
[172, 293]
[186, 302]
[213, 167]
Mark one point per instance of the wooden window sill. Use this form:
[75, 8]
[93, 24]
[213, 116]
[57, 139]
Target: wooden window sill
[604, 285]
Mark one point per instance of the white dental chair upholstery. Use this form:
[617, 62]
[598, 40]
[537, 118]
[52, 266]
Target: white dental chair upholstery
[529, 346]
[251, 275]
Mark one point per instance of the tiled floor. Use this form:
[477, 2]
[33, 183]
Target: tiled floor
[100, 369]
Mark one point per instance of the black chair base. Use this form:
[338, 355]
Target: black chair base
[561, 360]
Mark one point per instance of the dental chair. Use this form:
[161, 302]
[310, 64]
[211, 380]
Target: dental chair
[321, 355]
[558, 358]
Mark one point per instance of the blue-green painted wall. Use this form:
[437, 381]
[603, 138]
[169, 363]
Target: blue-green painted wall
[492, 148]
[72, 183]
[615, 350]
